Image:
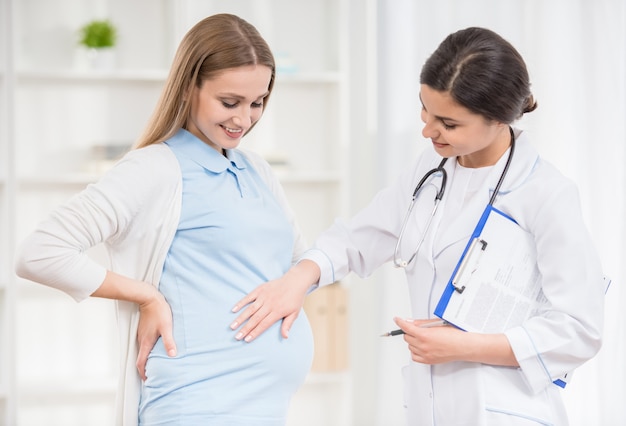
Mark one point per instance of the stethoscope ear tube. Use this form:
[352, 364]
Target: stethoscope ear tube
[506, 168]
[444, 179]
[397, 261]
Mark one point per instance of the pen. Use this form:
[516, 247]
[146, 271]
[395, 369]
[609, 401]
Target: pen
[392, 333]
[425, 325]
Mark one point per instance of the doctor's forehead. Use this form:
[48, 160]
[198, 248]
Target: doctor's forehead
[442, 105]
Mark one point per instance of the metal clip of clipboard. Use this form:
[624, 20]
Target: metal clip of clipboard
[469, 257]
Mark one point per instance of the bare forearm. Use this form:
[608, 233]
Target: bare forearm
[436, 345]
[493, 349]
[305, 273]
[155, 319]
[119, 287]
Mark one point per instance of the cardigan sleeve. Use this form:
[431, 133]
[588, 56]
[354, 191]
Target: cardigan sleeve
[56, 252]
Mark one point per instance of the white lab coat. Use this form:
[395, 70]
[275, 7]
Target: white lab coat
[546, 204]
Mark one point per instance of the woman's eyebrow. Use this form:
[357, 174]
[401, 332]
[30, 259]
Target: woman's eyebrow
[240, 97]
[439, 117]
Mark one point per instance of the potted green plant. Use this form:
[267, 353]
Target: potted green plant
[98, 34]
[99, 37]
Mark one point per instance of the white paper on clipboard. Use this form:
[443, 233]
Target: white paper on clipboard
[496, 284]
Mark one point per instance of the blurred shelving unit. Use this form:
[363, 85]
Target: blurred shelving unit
[7, 218]
[62, 124]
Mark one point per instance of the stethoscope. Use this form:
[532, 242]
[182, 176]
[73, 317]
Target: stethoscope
[397, 260]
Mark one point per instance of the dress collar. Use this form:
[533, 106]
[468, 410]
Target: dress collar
[191, 146]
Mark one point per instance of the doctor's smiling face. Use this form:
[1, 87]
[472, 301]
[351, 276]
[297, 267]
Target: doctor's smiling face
[226, 106]
[456, 131]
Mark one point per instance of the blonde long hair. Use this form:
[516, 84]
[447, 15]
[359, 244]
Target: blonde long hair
[216, 43]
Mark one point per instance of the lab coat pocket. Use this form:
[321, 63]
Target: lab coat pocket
[508, 401]
[406, 377]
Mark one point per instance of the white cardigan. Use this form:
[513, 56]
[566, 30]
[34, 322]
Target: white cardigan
[134, 210]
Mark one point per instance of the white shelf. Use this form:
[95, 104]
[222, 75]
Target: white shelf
[38, 182]
[314, 78]
[46, 181]
[155, 76]
[69, 390]
[76, 76]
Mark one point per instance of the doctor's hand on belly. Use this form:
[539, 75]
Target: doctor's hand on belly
[280, 299]
[437, 345]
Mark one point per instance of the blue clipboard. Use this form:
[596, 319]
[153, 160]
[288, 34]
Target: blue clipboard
[508, 233]
[498, 264]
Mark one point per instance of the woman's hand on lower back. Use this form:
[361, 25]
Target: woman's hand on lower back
[155, 315]
[155, 320]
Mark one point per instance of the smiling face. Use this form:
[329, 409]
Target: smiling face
[225, 107]
[456, 131]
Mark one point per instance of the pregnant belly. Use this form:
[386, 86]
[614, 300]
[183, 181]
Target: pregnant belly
[214, 374]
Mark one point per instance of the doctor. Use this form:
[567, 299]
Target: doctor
[473, 87]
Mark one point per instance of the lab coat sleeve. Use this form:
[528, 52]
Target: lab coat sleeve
[55, 253]
[359, 245]
[368, 239]
[568, 331]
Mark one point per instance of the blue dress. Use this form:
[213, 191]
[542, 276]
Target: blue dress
[232, 236]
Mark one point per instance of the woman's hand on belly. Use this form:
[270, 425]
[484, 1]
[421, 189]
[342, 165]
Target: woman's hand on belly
[274, 300]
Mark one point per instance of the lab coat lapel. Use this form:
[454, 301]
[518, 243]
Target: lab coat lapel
[524, 161]
[464, 219]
